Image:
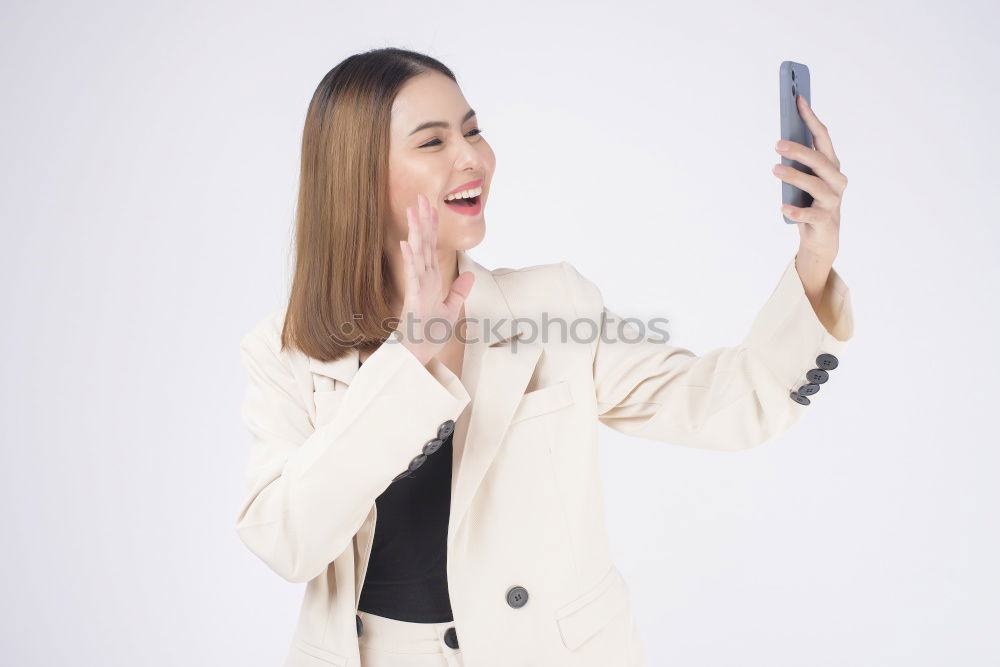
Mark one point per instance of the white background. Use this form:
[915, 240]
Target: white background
[150, 157]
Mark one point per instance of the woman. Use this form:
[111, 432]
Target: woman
[422, 455]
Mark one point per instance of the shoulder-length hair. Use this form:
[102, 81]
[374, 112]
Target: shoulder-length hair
[341, 287]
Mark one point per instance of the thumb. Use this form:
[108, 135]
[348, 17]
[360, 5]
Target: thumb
[460, 288]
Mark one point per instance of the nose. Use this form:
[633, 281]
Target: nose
[469, 159]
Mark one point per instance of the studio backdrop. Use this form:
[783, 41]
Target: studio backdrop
[151, 162]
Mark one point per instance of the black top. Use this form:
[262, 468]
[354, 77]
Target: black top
[407, 576]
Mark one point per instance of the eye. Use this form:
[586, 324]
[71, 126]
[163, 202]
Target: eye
[435, 142]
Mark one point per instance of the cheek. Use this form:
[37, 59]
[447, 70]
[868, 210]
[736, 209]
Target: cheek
[401, 195]
[406, 180]
[397, 214]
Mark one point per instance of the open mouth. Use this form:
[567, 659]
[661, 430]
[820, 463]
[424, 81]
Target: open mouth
[467, 202]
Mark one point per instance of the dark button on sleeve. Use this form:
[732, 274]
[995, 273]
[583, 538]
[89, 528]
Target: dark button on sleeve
[817, 376]
[799, 398]
[451, 637]
[827, 361]
[432, 446]
[808, 389]
[444, 432]
[357, 622]
[446, 429]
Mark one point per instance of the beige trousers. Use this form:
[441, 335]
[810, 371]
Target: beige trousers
[387, 642]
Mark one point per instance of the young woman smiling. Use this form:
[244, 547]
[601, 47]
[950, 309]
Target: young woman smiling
[422, 460]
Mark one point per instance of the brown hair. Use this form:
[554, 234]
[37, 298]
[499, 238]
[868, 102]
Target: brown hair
[341, 289]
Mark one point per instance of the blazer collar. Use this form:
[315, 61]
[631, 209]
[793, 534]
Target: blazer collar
[490, 320]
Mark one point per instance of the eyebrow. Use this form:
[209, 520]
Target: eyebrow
[441, 123]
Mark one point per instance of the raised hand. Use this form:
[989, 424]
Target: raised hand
[427, 322]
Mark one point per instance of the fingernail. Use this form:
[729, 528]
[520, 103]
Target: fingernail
[783, 145]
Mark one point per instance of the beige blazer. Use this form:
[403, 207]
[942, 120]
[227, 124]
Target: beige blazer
[530, 573]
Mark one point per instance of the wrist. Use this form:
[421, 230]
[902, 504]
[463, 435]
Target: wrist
[813, 271]
[416, 350]
[811, 256]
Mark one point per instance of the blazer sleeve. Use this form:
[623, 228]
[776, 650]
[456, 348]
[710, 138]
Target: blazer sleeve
[308, 490]
[730, 398]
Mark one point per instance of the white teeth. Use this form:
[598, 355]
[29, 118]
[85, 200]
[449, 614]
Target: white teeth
[465, 194]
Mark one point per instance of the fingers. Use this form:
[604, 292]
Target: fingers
[821, 136]
[422, 216]
[810, 214]
[409, 272]
[414, 241]
[829, 183]
[819, 163]
[426, 232]
[421, 244]
[433, 218]
[817, 187]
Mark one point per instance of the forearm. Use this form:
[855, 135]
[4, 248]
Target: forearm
[814, 272]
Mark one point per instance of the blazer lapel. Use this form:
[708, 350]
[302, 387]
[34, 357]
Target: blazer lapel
[342, 369]
[506, 363]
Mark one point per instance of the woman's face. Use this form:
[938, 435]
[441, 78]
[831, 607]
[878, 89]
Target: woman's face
[436, 160]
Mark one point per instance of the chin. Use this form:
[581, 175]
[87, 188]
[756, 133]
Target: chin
[471, 236]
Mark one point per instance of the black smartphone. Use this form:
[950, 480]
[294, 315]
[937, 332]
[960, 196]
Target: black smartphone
[794, 81]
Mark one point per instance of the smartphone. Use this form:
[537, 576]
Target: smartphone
[793, 80]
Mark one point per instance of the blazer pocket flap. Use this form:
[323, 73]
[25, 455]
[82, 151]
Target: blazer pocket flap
[542, 401]
[581, 619]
